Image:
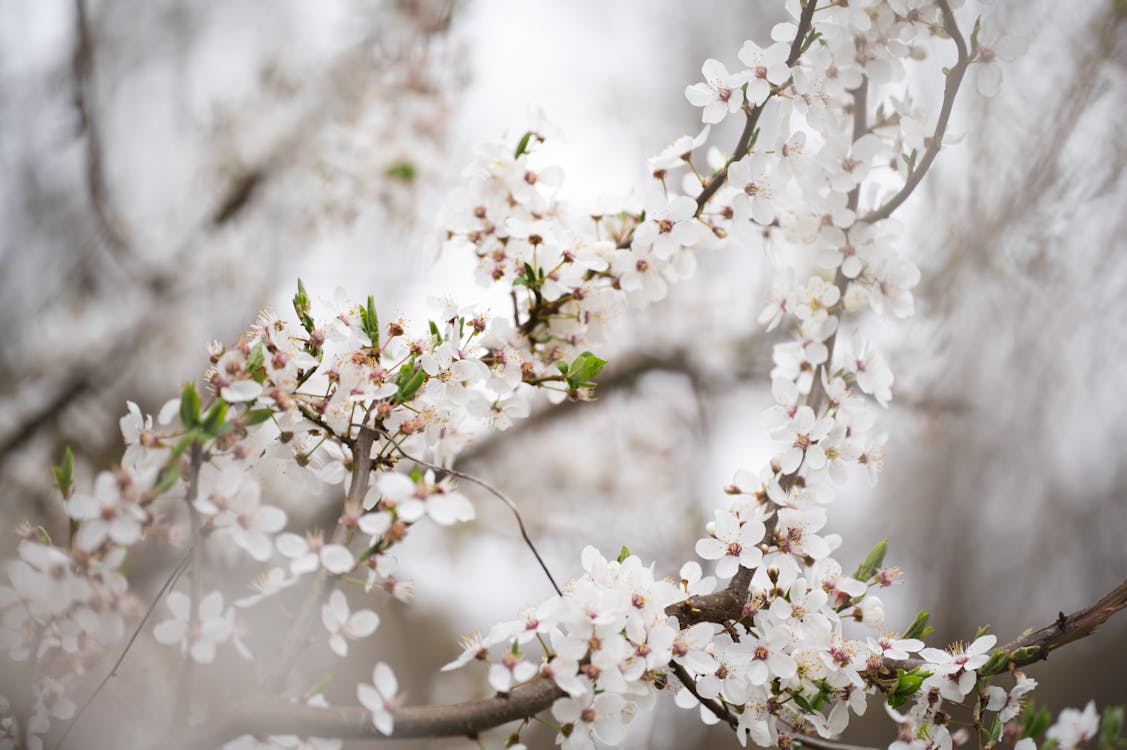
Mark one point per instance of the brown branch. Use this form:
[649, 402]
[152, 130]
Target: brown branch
[804, 23]
[954, 79]
[82, 69]
[272, 716]
[719, 710]
[821, 744]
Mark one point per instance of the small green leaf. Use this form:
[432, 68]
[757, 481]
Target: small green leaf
[257, 357]
[1110, 727]
[585, 367]
[256, 416]
[44, 537]
[409, 381]
[301, 306]
[997, 662]
[216, 419]
[167, 478]
[1025, 654]
[919, 627]
[907, 684]
[872, 562]
[190, 406]
[995, 730]
[404, 171]
[562, 367]
[1034, 721]
[522, 145]
[983, 630]
[64, 472]
[370, 322]
[623, 553]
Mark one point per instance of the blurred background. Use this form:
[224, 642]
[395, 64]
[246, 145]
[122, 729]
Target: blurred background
[169, 168]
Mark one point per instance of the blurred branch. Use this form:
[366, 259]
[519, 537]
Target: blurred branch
[168, 583]
[82, 66]
[361, 448]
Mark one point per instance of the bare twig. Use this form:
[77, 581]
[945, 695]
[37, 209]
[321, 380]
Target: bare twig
[719, 710]
[273, 716]
[492, 490]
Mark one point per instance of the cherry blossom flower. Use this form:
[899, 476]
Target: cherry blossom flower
[732, 543]
[380, 697]
[343, 625]
[720, 95]
[200, 640]
[1073, 727]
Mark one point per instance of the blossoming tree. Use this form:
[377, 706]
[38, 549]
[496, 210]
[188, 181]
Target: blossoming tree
[783, 644]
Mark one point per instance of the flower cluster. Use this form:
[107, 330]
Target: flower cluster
[792, 646]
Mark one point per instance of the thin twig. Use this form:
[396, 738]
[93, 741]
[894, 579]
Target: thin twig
[719, 710]
[491, 489]
[180, 566]
[954, 79]
[718, 179]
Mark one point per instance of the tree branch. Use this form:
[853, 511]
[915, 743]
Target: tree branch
[273, 716]
[804, 23]
[954, 79]
[262, 715]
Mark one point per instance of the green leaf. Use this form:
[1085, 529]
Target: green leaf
[997, 662]
[371, 322]
[907, 684]
[1034, 721]
[404, 171]
[44, 537]
[982, 630]
[623, 553]
[1110, 727]
[301, 306]
[522, 145]
[64, 472]
[873, 561]
[409, 381]
[919, 627]
[167, 478]
[257, 416]
[995, 730]
[257, 357]
[1025, 653]
[190, 406]
[562, 367]
[585, 367]
[216, 420]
